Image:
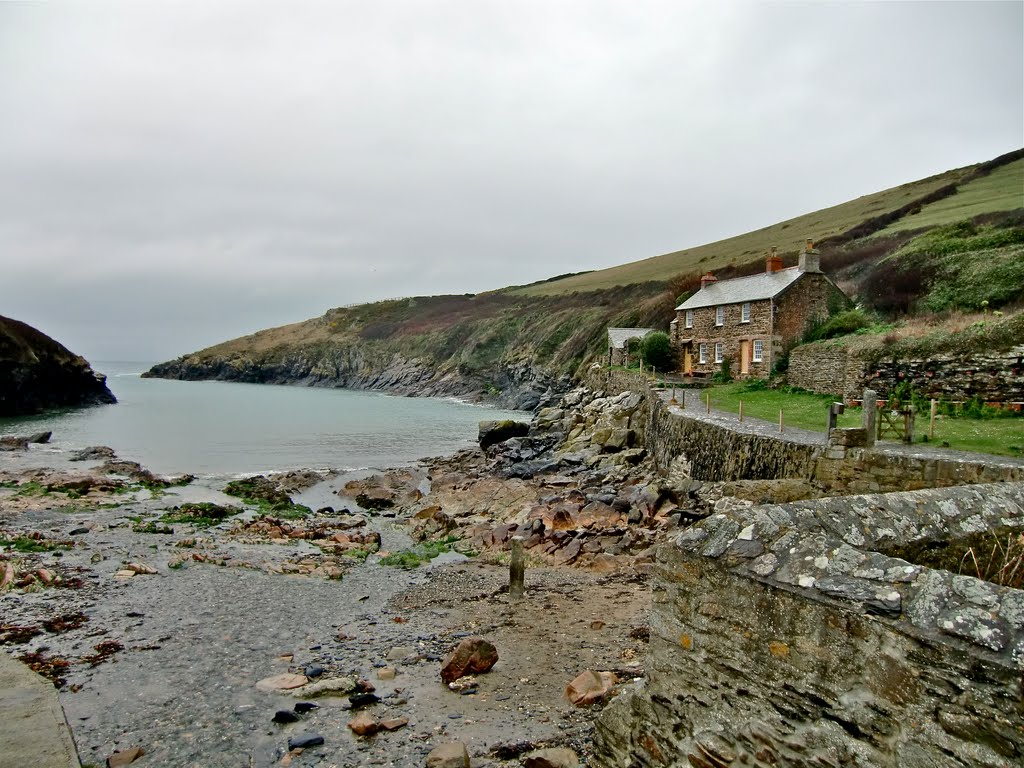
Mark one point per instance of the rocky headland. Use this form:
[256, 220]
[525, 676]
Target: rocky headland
[37, 373]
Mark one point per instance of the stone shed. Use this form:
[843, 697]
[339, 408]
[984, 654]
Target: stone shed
[618, 338]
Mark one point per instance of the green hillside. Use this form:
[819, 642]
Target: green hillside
[950, 242]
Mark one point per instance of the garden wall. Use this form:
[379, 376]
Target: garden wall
[782, 635]
[829, 368]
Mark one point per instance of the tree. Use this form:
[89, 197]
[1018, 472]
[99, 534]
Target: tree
[656, 351]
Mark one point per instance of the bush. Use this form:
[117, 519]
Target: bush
[840, 324]
[723, 376]
[656, 351]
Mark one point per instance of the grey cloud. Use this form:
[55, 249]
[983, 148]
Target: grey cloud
[179, 173]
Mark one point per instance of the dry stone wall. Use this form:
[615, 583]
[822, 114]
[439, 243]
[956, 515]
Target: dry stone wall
[783, 635]
[830, 368]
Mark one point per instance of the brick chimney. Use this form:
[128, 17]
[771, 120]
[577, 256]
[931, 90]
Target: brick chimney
[707, 279]
[772, 262]
[810, 261]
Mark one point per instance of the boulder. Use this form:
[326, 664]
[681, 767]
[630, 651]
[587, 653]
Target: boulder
[494, 432]
[93, 452]
[451, 755]
[363, 724]
[590, 687]
[473, 655]
[553, 757]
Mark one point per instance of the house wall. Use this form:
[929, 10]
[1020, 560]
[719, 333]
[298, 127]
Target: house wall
[730, 334]
[805, 301]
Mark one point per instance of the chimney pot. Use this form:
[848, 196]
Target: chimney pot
[706, 279]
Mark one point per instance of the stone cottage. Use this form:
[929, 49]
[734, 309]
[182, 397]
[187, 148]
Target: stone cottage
[752, 321]
[618, 338]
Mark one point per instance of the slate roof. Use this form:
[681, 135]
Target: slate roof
[763, 285]
[617, 337]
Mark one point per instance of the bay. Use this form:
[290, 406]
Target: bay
[226, 428]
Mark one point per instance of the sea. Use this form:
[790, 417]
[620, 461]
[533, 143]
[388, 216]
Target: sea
[218, 428]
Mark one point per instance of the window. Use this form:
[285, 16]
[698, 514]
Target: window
[719, 315]
[745, 313]
[758, 351]
[718, 351]
[689, 318]
[703, 352]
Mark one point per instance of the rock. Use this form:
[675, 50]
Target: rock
[313, 670]
[363, 725]
[510, 750]
[386, 673]
[332, 686]
[494, 432]
[283, 682]
[473, 655]
[401, 652]
[78, 531]
[305, 740]
[141, 568]
[463, 684]
[394, 723]
[451, 755]
[305, 706]
[124, 573]
[553, 757]
[589, 687]
[93, 452]
[360, 700]
[125, 757]
[285, 716]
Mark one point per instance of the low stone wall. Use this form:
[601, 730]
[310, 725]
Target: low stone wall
[780, 635]
[714, 452]
[829, 368]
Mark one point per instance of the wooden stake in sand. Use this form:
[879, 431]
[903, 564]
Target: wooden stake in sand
[516, 570]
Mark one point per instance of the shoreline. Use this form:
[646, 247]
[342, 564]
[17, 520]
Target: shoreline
[191, 641]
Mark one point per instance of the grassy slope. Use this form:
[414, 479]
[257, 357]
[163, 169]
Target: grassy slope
[788, 236]
[1001, 190]
[561, 323]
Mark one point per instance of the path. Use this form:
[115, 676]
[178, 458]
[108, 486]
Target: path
[33, 730]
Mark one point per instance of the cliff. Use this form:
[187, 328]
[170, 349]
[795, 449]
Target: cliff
[37, 373]
[514, 350]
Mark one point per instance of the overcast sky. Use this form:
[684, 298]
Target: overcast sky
[174, 174]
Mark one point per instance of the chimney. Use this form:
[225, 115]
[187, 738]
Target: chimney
[772, 262]
[707, 279]
[810, 261]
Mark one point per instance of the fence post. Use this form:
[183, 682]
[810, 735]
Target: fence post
[741, 411]
[781, 427]
[931, 420]
[869, 415]
[516, 570]
[708, 398]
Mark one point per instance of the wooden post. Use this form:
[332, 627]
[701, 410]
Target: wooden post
[781, 427]
[741, 411]
[931, 421]
[708, 398]
[516, 570]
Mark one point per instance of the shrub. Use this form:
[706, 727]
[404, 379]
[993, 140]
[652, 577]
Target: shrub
[656, 351]
[724, 375]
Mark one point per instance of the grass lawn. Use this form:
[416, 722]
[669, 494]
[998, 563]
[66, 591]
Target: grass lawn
[1003, 437]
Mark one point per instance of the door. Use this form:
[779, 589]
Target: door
[687, 360]
[744, 358]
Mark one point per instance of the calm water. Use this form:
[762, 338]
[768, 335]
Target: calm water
[213, 427]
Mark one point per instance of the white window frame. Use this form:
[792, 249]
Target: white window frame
[719, 351]
[689, 318]
[719, 316]
[757, 355]
[745, 312]
[702, 353]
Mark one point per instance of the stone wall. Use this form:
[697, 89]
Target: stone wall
[714, 452]
[830, 368]
[780, 635]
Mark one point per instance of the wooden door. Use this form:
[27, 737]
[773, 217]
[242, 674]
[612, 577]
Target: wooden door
[744, 358]
[687, 361]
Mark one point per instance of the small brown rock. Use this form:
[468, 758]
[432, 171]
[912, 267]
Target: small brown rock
[589, 687]
[394, 723]
[283, 682]
[553, 757]
[473, 655]
[451, 755]
[363, 725]
[125, 757]
[386, 673]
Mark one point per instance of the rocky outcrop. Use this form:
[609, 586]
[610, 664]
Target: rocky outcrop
[37, 373]
[351, 366]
